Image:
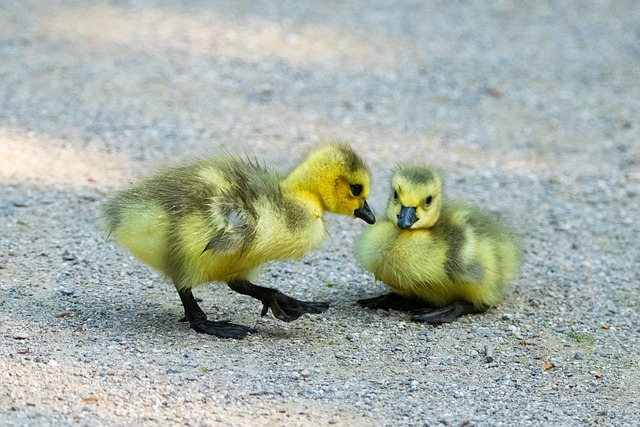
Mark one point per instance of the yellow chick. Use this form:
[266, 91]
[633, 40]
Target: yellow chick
[219, 219]
[441, 259]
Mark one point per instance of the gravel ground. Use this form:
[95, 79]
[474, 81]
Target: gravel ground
[532, 109]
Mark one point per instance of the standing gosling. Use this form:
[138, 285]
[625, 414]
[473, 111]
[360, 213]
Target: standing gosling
[442, 259]
[221, 218]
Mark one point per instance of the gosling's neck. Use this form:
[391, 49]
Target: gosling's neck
[303, 184]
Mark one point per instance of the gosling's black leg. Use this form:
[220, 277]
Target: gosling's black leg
[391, 301]
[198, 320]
[282, 306]
[445, 314]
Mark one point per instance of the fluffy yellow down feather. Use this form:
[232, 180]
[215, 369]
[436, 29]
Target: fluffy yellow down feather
[220, 218]
[440, 258]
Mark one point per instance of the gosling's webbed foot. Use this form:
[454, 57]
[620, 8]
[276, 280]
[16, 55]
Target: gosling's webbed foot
[198, 320]
[288, 309]
[221, 329]
[391, 301]
[445, 314]
[282, 306]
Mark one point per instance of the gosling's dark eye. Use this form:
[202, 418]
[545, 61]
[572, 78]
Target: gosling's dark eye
[429, 200]
[395, 195]
[356, 189]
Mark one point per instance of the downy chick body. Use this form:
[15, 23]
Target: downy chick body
[440, 258]
[219, 219]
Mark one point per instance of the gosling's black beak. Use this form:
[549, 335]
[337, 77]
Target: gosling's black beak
[365, 214]
[407, 217]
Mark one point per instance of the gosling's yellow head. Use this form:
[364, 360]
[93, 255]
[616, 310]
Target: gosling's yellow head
[338, 178]
[416, 197]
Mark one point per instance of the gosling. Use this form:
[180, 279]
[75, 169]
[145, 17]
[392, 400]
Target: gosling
[219, 219]
[441, 259]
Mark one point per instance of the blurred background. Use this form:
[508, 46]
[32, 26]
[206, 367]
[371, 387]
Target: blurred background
[521, 85]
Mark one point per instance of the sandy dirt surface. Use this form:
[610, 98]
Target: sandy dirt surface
[531, 108]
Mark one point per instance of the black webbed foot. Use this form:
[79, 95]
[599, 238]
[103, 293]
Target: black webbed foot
[198, 320]
[221, 329]
[445, 314]
[282, 306]
[391, 301]
[289, 309]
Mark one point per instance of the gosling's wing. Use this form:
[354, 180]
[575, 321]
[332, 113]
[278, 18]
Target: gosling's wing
[472, 272]
[233, 211]
[233, 232]
[459, 264]
[472, 231]
[456, 229]
[501, 243]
